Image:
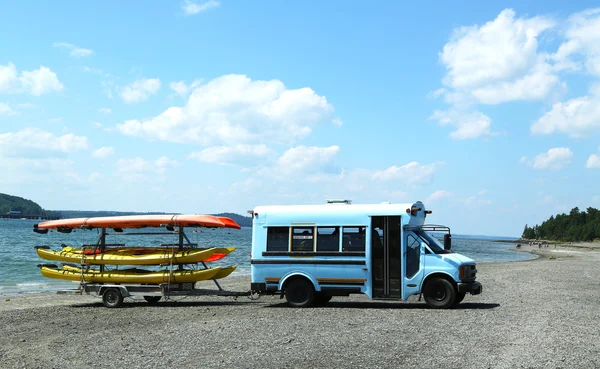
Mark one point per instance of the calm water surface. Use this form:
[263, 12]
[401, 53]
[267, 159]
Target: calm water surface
[18, 260]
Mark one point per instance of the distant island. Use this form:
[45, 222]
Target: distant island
[17, 207]
[575, 227]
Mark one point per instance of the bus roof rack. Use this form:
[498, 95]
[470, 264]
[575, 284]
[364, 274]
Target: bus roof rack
[338, 201]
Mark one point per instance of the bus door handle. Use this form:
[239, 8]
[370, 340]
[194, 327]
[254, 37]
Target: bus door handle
[365, 268]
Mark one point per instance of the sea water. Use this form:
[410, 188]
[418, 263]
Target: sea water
[19, 273]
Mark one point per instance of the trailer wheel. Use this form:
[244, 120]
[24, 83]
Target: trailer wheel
[439, 293]
[152, 299]
[112, 298]
[299, 292]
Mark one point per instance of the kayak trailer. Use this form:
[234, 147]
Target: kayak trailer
[113, 294]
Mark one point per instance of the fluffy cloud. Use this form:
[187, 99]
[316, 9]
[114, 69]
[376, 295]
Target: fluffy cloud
[182, 89]
[103, 152]
[34, 142]
[553, 159]
[77, 52]
[581, 48]
[412, 173]
[440, 194]
[140, 90]
[191, 8]
[576, 117]
[5, 109]
[138, 168]
[468, 124]
[105, 110]
[228, 155]
[232, 110]
[493, 62]
[593, 162]
[307, 159]
[35, 82]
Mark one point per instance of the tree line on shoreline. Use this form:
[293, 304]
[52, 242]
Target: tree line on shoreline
[573, 227]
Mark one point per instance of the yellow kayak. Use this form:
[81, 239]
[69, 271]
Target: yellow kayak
[129, 275]
[133, 258]
[220, 252]
[222, 273]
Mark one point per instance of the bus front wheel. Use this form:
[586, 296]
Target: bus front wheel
[439, 293]
[299, 292]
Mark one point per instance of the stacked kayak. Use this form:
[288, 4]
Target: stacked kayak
[101, 264]
[134, 275]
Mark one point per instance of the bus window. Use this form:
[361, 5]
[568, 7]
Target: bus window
[353, 239]
[278, 238]
[328, 239]
[302, 239]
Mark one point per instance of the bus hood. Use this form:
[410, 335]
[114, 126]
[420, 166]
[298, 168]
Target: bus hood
[457, 259]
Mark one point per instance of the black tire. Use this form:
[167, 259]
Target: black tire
[440, 293]
[459, 297]
[112, 298]
[152, 299]
[299, 292]
[321, 299]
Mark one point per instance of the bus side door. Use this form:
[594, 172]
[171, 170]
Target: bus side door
[414, 257]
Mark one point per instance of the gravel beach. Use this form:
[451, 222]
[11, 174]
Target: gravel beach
[543, 313]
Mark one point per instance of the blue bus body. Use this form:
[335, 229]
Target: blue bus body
[309, 253]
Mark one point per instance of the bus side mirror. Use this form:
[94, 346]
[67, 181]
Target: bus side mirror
[447, 241]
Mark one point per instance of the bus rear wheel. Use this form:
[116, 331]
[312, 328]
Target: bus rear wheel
[299, 292]
[439, 293]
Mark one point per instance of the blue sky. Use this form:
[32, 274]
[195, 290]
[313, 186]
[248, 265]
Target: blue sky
[489, 114]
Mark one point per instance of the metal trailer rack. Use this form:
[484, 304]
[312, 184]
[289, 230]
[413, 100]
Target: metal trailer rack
[113, 293]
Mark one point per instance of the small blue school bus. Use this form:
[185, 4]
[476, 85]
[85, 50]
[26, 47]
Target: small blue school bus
[309, 253]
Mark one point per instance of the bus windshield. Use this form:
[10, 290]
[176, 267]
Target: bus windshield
[432, 242]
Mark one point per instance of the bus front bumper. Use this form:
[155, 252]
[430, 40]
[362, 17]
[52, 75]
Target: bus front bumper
[474, 288]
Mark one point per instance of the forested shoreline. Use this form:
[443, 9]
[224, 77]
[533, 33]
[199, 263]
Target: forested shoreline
[573, 227]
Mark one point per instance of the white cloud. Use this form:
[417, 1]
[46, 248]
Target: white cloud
[233, 109]
[77, 52]
[182, 89]
[34, 141]
[228, 155]
[468, 124]
[140, 90]
[576, 117]
[191, 8]
[9, 78]
[25, 106]
[40, 81]
[93, 177]
[138, 168]
[307, 159]
[105, 110]
[35, 82]
[440, 194]
[581, 48]
[412, 173]
[103, 152]
[553, 159]
[500, 50]
[6, 110]
[593, 162]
